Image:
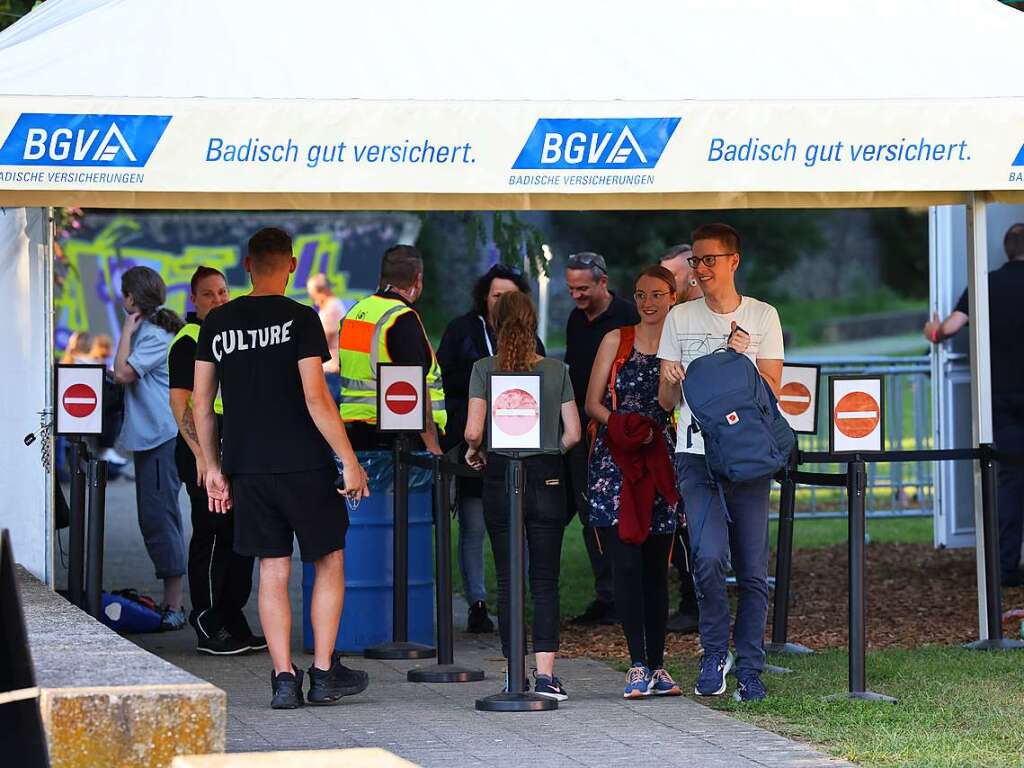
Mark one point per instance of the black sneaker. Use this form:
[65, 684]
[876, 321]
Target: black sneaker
[339, 681]
[287, 688]
[479, 622]
[257, 643]
[594, 614]
[549, 687]
[683, 622]
[221, 643]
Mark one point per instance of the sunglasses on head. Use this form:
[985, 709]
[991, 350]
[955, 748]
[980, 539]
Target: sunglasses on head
[587, 261]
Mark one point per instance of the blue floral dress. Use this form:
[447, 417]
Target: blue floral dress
[636, 388]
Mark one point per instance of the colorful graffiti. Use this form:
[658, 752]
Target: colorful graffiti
[345, 247]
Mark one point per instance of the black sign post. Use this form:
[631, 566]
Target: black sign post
[94, 540]
[76, 522]
[784, 569]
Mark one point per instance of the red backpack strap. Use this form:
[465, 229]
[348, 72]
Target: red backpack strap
[627, 335]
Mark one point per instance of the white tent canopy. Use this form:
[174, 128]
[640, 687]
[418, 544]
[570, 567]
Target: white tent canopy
[567, 104]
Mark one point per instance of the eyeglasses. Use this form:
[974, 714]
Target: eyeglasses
[642, 296]
[587, 261]
[708, 260]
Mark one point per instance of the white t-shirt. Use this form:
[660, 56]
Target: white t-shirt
[692, 330]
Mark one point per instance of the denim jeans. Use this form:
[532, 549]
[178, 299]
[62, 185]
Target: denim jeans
[713, 536]
[156, 496]
[544, 518]
[471, 548]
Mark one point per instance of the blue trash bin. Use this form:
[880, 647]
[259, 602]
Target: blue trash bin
[369, 562]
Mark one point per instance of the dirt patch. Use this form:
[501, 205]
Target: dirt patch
[915, 595]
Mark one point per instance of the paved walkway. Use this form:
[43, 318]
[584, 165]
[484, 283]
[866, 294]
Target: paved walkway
[436, 724]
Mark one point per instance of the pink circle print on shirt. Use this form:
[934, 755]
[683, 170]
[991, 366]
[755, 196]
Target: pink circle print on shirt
[515, 412]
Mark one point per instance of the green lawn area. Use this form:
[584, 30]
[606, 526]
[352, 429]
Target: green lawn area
[956, 707]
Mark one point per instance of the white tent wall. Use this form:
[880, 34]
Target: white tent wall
[26, 348]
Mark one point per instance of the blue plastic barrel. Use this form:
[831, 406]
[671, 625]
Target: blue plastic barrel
[369, 563]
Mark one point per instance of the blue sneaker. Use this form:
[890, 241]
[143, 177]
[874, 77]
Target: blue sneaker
[549, 687]
[713, 669]
[662, 684]
[638, 682]
[749, 687]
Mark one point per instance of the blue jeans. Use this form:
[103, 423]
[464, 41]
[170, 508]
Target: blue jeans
[334, 386]
[713, 536]
[471, 548]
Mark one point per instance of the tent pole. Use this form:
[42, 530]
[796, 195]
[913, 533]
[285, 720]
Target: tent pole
[981, 375]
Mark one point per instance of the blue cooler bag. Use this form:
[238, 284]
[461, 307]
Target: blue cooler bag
[127, 611]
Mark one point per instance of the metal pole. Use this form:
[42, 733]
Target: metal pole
[783, 571]
[76, 523]
[445, 671]
[97, 519]
[990, 538]
[515, 699]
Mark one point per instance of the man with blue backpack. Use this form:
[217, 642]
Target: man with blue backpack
[722, 356]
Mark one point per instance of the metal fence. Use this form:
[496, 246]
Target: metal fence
[894, 490]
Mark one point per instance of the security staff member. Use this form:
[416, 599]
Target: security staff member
[220, 580]
[384, 328]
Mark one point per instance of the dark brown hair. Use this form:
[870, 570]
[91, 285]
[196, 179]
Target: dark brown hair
[149, 292]
[723, 233]
[400, 267]
[660, 273]
[516, 321]
[269, 249]
[1013, 242]
[201, 274]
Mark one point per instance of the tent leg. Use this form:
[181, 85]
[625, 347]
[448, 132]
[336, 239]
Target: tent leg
[981, 376]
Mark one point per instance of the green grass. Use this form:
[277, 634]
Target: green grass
[956, 707]
[802, 318]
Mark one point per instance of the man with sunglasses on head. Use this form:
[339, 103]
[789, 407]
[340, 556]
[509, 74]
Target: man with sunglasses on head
[597, 312]
[727, 521]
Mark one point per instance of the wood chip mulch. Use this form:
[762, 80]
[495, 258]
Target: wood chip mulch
[916, 595]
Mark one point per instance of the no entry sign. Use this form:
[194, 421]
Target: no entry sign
[79, 399]
[514, 412]
[857, 414]
[798, 397]
[401, 390]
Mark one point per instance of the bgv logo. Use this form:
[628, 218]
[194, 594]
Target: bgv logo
[105, 141]
[601, 143]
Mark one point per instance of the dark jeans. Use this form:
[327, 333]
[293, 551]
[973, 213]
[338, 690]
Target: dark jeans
[1008, 428]
[713, 536]
[577, 460]
[641, 592]
[544, 517]
[219, 579]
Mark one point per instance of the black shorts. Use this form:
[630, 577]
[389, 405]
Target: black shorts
[271, 509]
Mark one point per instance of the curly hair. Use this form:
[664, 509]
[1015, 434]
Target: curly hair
[482, 287]
[516, 322]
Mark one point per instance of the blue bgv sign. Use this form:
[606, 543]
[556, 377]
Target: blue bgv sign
[98, 141]
[610, 143]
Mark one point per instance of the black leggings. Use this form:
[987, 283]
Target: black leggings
[641, 592]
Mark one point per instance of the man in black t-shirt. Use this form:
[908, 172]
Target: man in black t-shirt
[1006, 331]
[597, 312]
[281, 434]
[219, 579]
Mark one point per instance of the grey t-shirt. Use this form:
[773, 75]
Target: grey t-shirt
[555, 389]
[148, 421]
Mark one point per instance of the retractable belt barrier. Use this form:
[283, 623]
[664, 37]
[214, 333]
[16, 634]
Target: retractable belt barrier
[855, 481]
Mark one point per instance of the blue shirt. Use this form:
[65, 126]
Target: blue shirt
[148, 421]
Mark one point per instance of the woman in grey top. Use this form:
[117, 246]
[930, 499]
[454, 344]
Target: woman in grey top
[544, 497]
[149, 430]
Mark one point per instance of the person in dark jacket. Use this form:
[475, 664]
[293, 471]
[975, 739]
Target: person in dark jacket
[468, 338]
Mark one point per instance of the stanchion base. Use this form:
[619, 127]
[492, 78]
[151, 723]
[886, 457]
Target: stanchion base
[515, 702]
[400, 651]
[792, 649]
[444, 673]
[773, 669]
[1002, 644]
[862, 696]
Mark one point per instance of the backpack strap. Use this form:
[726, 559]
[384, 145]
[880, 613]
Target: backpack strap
[627, 336]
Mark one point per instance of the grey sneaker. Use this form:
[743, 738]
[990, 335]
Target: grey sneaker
[172, 620]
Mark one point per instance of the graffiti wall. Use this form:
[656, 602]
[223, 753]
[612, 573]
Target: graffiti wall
[344, 246]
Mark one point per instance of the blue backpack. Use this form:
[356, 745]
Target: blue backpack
[745, 435]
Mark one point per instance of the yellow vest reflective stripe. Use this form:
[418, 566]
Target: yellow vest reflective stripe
[191, 330]
[362, 343]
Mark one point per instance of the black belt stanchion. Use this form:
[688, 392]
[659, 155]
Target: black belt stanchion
[76, 523]
[784, 568]
[990, 531]
[446, 670]
[515, 699]
[856, 487]
[94, 540]
[400, 647]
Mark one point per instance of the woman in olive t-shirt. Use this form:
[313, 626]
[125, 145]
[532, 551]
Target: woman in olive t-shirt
[544, 505]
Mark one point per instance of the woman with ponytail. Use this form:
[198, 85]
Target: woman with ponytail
[544, 500]
[150, 431]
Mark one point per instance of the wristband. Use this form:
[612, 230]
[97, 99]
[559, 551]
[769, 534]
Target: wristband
[935, 335]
